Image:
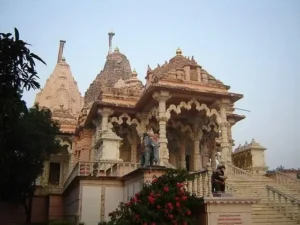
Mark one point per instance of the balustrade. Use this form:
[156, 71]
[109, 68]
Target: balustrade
[101, 168]
[284, 203]
[286, 180]
[235, 172]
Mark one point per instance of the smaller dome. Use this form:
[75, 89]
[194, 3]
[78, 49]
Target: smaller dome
[117, 49]
[134, 73]
[178, 51]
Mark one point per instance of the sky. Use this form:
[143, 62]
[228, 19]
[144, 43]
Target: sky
[251, 45]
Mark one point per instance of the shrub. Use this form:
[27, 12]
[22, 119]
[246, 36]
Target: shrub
[59, 222]
[163, 201]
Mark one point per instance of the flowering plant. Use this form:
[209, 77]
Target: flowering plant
[163, 201]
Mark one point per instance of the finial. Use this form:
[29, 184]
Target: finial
[178, 51]
[134, 73]
[60, 50]
[116, 49]
[110, 37]
[149, 68]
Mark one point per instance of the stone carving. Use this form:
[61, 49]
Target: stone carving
[61, 95]
[128, 120]
[188, 106]
[153, 113]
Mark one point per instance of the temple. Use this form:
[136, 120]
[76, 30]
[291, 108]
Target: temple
[191, 110]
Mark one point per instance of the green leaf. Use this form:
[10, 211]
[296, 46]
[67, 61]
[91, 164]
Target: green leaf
[37, 58]
[17, 36]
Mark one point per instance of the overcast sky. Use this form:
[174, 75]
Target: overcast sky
[251, 45]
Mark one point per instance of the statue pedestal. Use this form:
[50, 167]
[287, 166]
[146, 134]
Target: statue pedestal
[134, 181]
[226, 211]
[110, 147]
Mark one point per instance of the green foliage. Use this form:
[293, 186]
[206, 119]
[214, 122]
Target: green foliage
[162, 201]
[59, 222]
[27, 137]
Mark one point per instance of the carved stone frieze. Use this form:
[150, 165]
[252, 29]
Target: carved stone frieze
[199, 107]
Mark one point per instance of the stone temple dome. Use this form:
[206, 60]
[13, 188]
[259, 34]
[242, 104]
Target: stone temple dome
[116, 67]
[180, 63]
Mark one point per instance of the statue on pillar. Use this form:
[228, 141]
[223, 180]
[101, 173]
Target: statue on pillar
[149, 150]
[155, 149]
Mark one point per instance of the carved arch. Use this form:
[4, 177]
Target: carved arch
[119, 120]
[152, 113]
[188, 106]
[183, 128]
[208, 127]
[62, 142]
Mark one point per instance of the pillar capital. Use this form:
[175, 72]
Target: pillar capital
[162, 96]
[105, 112]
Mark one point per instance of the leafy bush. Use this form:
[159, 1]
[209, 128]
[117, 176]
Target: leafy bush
[59, 222]
[163, 201]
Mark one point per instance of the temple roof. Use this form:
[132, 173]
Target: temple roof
[179, 62]
[116, 67]
[60, 93]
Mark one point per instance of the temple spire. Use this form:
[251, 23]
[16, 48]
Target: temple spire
[110, 37]
[60, 51]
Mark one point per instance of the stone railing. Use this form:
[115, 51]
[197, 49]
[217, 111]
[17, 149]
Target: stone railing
[101, 169]
[201, 185]
[284, 203]
[235, 172]
[283, 179]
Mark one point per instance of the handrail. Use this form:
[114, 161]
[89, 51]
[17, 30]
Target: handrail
[106, 168]
[201, 185]
[235, 171]
[284, 179]
[289, 202]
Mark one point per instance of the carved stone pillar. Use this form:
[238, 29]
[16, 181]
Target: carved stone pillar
[71, 163]
[105, 113]
[213, 158]
[133, 153]
[196, 145]
[182, 162]
[162, 98]
[225, 146]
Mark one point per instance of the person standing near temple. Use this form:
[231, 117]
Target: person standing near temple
[218, 179]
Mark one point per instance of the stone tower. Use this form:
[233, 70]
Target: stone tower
[60, 93]
[116, 67]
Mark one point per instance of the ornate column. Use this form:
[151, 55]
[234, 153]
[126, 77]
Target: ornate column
[231, 122]
[196, 148]
[105, 113]
[71, 161]
[225, 146]
[162, 97]
[182, 161]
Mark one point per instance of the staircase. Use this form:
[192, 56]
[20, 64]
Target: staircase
[276, 199]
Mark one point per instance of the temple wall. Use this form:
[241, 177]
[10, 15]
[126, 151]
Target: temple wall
[56, 210]
[71, 204]
[98, 199]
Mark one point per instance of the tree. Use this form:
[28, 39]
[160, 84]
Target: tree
[163, 201]
[27, 137]
[33, 142]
